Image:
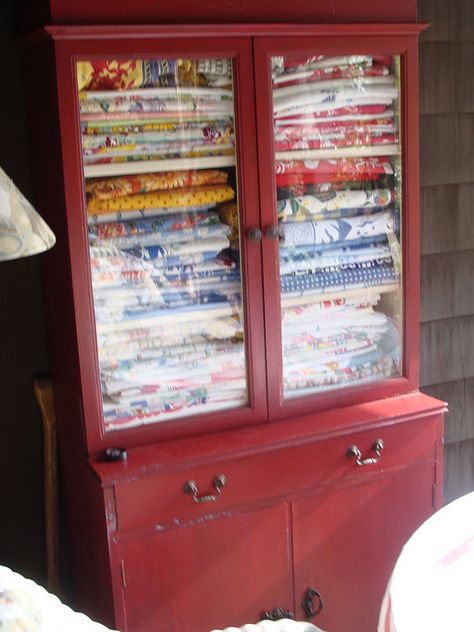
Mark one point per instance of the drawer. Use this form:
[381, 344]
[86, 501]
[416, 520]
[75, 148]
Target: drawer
[160, 501]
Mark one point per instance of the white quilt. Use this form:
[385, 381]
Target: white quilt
[282, 625]
[27, 607]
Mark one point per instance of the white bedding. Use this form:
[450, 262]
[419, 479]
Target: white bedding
[27, 607]
[282, 625]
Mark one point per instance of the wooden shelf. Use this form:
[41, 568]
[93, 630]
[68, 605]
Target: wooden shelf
[290, 301]
[339, 152]
[151, 166]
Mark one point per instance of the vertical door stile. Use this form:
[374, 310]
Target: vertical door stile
[250, 225]
[263, 101]
[410, 135]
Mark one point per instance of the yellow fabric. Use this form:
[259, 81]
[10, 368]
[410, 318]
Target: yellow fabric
[128, 127]
[196, 196]
[114, 74]
[110, 74]
[106, 188]
[229, 214]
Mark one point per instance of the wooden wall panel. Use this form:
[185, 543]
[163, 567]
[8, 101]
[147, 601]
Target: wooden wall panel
[447, 348]
[447, 227]
[447, 213]
[440, 62]
[444, 279]
[447, 148]
[25, 355]
[450, 20]
[23, 350]
[459, 421]
[458, 469]
[21, 470]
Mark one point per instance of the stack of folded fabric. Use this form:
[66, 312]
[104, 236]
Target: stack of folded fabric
[337, 172]
[167, 301]
[139, 110]
[343, 104]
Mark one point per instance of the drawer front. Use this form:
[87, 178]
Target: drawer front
[160, 500]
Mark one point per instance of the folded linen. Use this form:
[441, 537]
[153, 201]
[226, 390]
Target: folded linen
[167, 237]
[106, 188]
[323, 203]
[310, 262]
[192, 196]
[337, 230]
[363, 275]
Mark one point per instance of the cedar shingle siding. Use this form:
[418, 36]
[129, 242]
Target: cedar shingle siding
[447, 227]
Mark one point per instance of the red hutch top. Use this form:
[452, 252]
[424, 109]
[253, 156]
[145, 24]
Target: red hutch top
[233, 304]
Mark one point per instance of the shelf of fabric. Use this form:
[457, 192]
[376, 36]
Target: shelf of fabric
[155, 115]
[293, 301]
[339, 152]
[152, 166]
[157, 247]
[168, 415]
[335, 133]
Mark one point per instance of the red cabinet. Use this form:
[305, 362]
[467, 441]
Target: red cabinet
[234, 310]
[195, 214]
[288, 520]
[222, 568]
[347, 560]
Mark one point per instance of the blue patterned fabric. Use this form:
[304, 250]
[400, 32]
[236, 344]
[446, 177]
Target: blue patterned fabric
[352, 276]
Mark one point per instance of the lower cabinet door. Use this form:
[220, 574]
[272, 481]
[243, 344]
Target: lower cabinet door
[214, 572]
[346, 542]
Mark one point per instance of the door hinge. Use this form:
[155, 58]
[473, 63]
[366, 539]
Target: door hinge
[122, 573]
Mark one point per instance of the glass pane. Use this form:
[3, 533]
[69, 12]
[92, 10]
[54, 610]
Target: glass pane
[160, 180]
[338, 182]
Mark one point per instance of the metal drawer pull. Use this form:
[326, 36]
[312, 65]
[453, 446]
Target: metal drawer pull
[307, 603]
[190, 487]
[354, 453]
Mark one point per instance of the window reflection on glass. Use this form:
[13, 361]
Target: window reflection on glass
[338, 180]
[158, 144]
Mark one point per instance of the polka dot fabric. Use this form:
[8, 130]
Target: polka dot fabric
[195, 196]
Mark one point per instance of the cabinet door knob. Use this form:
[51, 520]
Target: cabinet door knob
[254, 234]
[308, 605]
[272, 232]
[190, 487]
[354, 453]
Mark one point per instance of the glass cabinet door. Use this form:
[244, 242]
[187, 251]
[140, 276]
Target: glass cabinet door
[337, 174]
[158, 142]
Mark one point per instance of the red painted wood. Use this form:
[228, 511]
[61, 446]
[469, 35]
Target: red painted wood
[66, 52]
[406, 47]
[295, 506]
[212, 11]
[87, 526]
[68, 49]
[199, 450]
[347, 540]
[160, 500]
[185, 31]
[222, 572]
[438, 483]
